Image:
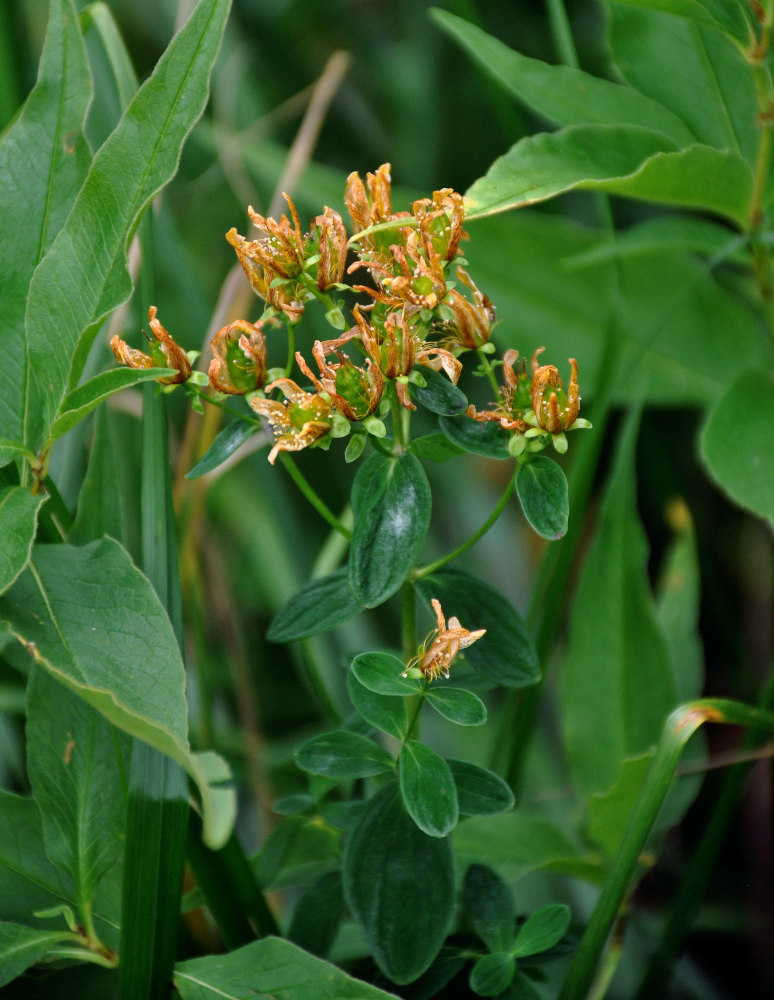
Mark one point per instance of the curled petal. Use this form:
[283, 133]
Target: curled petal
[165, 353]
[555, 409]
[239, 358]
[296, 424]
[439, 649]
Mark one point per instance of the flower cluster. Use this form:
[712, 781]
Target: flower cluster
[419, 309]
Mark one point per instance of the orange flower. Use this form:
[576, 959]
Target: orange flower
[514, 399]
[555, 410]
[440, 222]
[164, 353]
[471, 323]
[303, 419]
[368, 209]
[355, 392]
[239, 362]
[332, 241]
[439, 649]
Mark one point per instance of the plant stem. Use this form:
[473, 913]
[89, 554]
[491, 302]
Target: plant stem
[562, 34]
[679, 727]
[490, 521]
[311, 495]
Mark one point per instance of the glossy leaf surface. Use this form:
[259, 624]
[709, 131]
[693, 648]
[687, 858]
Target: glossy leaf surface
[228, 441]
[541, 487]
[427, 788]
[542, 930]
[383, 712]
[489, 905]
[341, 754]
[382, 673]
[18, 523]
[457, 705]
[318, 607]
[480, 792]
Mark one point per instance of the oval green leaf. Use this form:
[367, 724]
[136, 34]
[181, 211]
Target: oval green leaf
[480, 792]
[489, 905]
[18, 524]
[477, 437]
[382, 673]
[492, 974]
[428, 789]
[380, 711]
[342, 754]
[506, 653]
[541, 487]
[457, 705]
[438, 394]
[391, 520]
[229, 440]
[399, 886]
[318, 607]
[542, 930]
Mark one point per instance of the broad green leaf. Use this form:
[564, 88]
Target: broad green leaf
[317, 915]
[611, 810]
[99, 17]
[719, 14]
[342, 754]
[427, 788]
[89, 617]
[231, 438]
[561, 94]
[43, 161]
[506, 653]
[18, 524]
[491, 975]
[489, 905]
[695, 71]
[616, 648]
[21, 947]
[391, 522]
[620, 159]
[399, 886]
[435, 447]
[542, 930]
[438, 394]
[480, 792]
[385, 713]
[28, 880]
[298, 850]
[514, 844]
[382, 674]
[81, 401]
[77, 764]
[477, 437]
[736, 445]
[541, 487]
[457, 705]
[269, 968]
[320, 606]
[135, 162]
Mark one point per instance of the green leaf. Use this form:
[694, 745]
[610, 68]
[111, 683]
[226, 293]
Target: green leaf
[385, 713]
[399, 886]
[620, 159]
[21, 947]
[678, 601]
[616, 648]
[135, 162]
[28, 880]
[720, 14]
[317, 915]
[89, 617]
[611, 810]
[229, 440]
[18, 525]
[489, 904]
[506, 653]
[428, 789]
[298, 850]
[268, 968]
[542, 930]
[736, 445]
[492, 974]
[561, 94]
[81, 401]
[476, 437]
[716, 96]
[435, 447]
[541, 486]
[77, 764]
[391, 521]
[457, 705]
[480, 792]
[342, 754]
[44, 157]
[318, 607]
[438, 394]
[381, 673]
[101, 501]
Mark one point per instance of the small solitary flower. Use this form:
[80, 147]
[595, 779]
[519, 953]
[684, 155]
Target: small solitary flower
[437, 652]
[509, 410]
[555, 409]
[299, 422]
[239, 358]
[164, 353]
